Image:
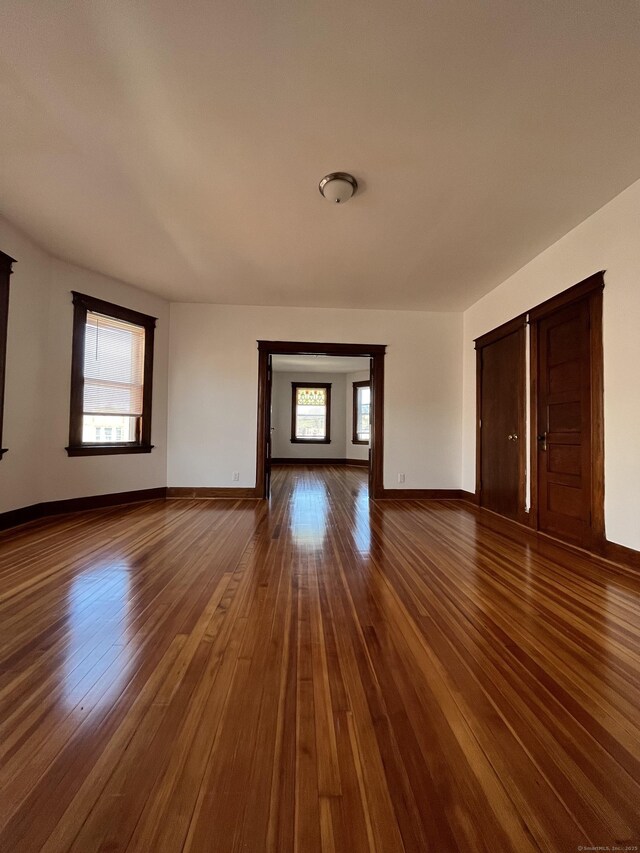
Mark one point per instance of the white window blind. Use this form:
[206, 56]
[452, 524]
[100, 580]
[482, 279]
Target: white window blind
[113, 366]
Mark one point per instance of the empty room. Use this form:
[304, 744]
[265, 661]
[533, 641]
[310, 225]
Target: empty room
[319, 426]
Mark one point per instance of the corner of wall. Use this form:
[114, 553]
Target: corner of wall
[37, 469]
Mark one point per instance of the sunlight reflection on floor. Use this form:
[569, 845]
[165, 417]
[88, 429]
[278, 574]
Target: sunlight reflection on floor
[97, 659]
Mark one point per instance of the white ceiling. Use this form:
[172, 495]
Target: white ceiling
[178, 146]
[319, 364]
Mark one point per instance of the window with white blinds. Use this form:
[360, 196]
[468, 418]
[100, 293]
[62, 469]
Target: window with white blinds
[113, 367]
[111, 376]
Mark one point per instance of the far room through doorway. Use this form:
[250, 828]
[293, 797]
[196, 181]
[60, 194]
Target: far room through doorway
[320, 404]
[320, 409]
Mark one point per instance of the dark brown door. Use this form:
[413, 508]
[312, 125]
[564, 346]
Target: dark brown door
[501, 378]
[564, 423]
[269, 429]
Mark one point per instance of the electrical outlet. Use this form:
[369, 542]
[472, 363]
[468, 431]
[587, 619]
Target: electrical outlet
[236, 476]
[401, 478]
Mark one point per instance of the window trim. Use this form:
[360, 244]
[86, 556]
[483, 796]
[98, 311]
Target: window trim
[6, 270]
[81, 305]
[354, 418]
[294, 387]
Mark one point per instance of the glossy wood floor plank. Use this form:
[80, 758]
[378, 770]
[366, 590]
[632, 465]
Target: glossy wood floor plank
[316, 674]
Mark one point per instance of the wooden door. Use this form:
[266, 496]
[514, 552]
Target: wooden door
[501, 419]
[269, 429]
[564, 424]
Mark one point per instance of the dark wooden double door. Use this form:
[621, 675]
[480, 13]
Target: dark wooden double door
[565, 419]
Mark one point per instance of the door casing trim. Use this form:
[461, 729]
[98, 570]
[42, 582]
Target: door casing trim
[374, 351]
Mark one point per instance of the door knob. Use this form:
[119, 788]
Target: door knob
[543, 441]
[512, 437]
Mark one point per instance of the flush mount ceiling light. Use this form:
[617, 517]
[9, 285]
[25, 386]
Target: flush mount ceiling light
[338, 187]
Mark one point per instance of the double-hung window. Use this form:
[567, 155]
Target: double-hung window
[361, 412]
[111, 379]
[311, 413]
[5, 272]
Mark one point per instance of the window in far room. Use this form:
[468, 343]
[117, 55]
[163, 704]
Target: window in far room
[311, 413]
[361, 412]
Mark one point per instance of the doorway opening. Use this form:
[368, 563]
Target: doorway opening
[320, 402]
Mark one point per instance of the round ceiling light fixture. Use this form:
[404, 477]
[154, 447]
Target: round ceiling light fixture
[338, 187]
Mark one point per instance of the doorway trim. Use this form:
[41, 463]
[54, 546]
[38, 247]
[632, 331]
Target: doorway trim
[590, 288]
[376, 352]
[517, 325]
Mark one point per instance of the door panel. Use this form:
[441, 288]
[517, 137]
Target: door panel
[564, 377]
[501, 413]
[565, 499]
[564, 417]
[565, 459]
[564, 423]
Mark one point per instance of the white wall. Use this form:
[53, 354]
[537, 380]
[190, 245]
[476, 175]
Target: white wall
[36, 411]
[281, 417]
[25, 421]
[354, 451]
[213, 382]
[609, 240]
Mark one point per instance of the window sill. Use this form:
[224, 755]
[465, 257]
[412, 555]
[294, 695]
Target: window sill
[310, 441]
[108, 449]
[3, 450]
[357, 441]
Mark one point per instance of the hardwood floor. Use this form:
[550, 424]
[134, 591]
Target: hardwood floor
[313, 675]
